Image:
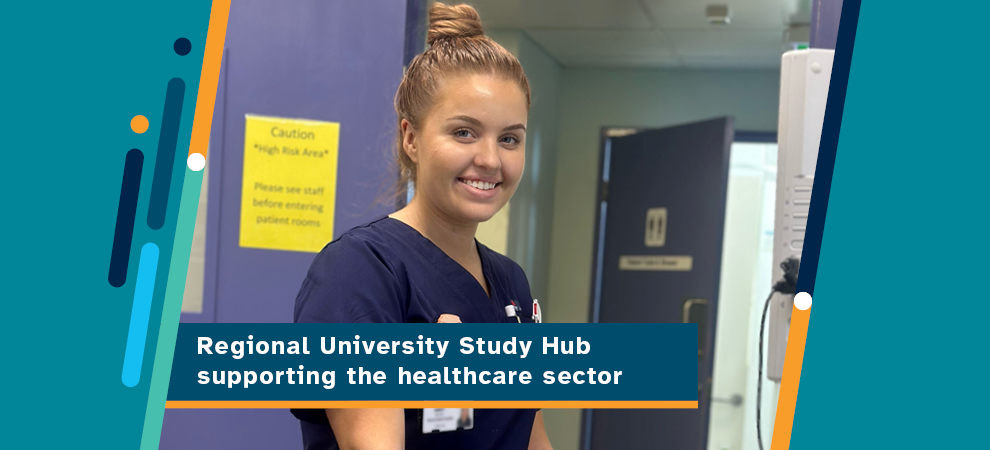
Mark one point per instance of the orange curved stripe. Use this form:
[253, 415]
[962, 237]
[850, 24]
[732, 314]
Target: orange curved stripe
[793, 359]
[209, 77]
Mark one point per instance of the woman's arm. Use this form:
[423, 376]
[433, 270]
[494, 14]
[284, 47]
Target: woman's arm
[538, 439]
[369, 429]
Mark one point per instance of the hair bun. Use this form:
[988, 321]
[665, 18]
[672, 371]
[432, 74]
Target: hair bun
[451, 22]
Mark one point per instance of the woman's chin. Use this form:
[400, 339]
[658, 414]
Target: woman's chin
[479, 213]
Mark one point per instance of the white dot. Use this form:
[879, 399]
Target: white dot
[802, 301]
[196, 162]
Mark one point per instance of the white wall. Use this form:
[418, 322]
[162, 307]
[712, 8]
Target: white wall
[532, 206]
[744, 286]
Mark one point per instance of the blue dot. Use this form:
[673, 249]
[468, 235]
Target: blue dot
[182, 46]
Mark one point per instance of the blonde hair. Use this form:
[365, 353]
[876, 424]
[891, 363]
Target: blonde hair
[456, 45]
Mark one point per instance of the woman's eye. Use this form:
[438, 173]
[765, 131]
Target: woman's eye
[462, 133]
[510, 140]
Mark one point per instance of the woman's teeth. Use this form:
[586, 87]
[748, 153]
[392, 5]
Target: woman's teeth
[479, 184]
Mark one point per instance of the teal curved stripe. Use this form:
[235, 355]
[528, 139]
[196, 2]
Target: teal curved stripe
[174, 290]
[137, 333]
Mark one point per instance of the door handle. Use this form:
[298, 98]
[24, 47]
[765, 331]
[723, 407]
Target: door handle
[734, 400]
[696, 311]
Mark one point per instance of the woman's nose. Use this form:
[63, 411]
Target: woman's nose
[488, 157]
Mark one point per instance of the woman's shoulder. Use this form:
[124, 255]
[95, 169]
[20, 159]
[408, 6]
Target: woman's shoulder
[366, 243]
[373, 232]
[374, 236]
[355, 278]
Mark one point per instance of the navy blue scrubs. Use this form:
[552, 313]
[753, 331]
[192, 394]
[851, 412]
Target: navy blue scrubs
[387, 272]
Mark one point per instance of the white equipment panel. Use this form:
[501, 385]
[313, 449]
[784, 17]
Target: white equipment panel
[804, 80]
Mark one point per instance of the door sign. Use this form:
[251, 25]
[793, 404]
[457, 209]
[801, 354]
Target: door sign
[663, 263]
[656, 227]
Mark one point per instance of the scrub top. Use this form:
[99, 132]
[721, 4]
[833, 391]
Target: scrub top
[387, 272]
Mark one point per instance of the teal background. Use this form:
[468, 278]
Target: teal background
[896, 330]
[896, 353]
[74, 76]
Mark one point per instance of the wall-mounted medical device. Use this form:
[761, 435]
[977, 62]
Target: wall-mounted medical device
[804, 80]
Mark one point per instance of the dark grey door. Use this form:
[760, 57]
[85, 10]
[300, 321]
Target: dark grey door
[336, 61]
[658, 259]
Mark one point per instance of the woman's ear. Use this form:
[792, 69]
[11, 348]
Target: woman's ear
[409, 140]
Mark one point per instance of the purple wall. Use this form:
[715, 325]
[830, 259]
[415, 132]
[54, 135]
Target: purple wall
[825, 16]
[338, 61]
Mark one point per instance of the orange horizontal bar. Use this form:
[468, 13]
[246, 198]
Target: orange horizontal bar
[491, 404]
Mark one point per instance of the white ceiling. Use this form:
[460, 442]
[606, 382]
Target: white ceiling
[650, 33]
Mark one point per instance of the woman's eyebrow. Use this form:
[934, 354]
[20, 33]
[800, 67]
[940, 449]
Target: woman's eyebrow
[477, 123]
[467, 119]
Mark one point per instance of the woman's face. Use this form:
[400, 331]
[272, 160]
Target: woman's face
[470, 149]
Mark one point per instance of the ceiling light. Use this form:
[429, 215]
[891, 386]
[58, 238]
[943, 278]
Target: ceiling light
[718, 14]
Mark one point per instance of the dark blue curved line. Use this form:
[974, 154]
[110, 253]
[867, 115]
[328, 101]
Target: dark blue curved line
[120, 253]
[828, 146]
[165, 159]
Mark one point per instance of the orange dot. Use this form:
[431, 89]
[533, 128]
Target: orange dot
[139, 124]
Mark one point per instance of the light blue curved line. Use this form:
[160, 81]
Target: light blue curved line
[137, 334]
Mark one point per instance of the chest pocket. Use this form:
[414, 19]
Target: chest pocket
[524, 310]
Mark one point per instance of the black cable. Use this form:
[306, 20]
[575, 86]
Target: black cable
[788, 285]
[759, 376]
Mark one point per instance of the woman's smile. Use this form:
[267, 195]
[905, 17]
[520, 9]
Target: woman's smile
[480, 189]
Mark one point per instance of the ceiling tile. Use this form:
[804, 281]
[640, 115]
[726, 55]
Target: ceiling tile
[726, 44]
[587, 46]
[623, 61]
[762, 62]
[529, 14]
[650, 33]
[745, 14]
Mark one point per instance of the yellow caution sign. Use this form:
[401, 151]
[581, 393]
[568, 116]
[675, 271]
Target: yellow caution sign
[290, 181]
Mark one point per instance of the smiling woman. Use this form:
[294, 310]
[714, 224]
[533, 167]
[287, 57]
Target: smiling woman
[462, 110]
[474, 142]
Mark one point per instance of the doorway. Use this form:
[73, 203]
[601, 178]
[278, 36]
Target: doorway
[747, 263]
[718, 230]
